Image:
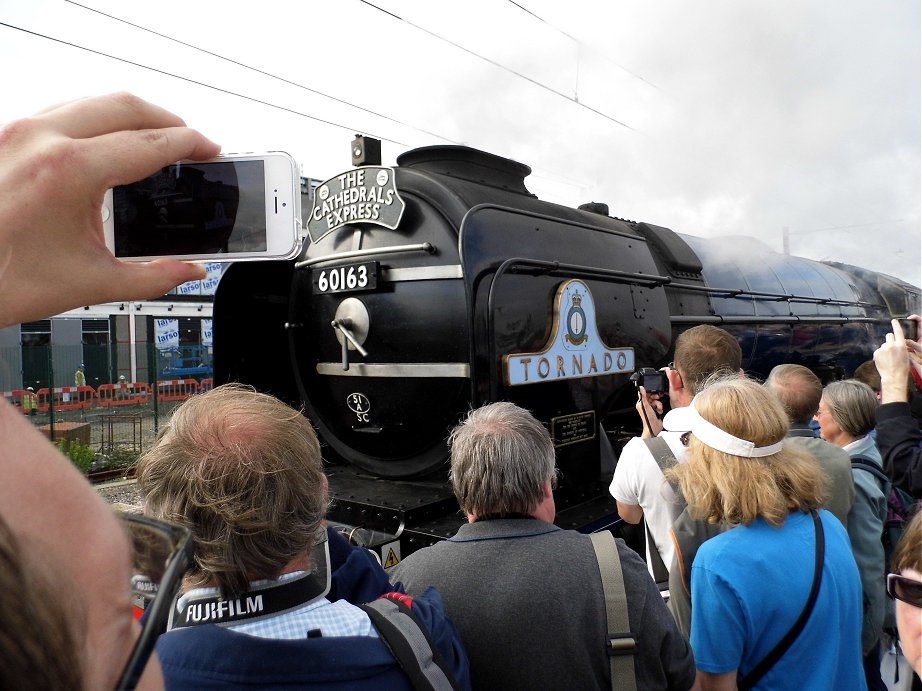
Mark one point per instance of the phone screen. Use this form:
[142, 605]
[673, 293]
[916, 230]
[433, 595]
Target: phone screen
[192, 209]
[910, 329]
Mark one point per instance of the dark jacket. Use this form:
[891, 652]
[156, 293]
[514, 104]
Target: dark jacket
[898, 437]
[212, 657]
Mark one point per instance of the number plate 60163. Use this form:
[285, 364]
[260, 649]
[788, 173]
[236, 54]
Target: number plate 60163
[346, 278]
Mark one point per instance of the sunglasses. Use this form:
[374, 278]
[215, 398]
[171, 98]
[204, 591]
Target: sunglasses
[904, 589]
[161, 554]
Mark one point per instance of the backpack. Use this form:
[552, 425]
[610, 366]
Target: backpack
[410, 644]
[901, 506]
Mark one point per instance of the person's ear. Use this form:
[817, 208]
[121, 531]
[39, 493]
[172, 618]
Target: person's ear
[675, 380]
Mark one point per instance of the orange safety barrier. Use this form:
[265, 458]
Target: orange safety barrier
[16, 397]
[66, 398]
[177, 389]
[206, 385]
[123, 393]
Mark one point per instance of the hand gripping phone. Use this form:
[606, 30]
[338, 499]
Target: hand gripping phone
[237, 207]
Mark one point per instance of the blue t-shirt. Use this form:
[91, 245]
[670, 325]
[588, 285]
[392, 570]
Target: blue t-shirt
[750, 584]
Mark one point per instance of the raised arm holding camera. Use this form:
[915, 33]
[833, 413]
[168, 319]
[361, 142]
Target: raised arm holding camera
[898, 433]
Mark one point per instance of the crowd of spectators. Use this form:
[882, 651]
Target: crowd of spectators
[274, 598]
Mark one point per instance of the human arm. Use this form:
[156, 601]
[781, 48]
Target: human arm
[718, 625]
[650, 410]
[898, 433]
[893, 360]
[631, 513]
[717, 682]
[357, 576]
[898, 438]
[55, 168]
[625, 485]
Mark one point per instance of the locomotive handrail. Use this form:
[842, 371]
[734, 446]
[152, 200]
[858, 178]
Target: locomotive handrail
[768, 319]
[546, 268]
[427, 247]
[736, 292]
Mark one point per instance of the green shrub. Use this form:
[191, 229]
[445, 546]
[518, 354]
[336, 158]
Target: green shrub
[121, 457]
[81, 455]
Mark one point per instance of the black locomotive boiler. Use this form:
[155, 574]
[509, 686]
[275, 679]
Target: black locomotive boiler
[443, 283]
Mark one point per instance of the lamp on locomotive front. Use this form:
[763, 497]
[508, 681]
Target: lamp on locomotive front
[366, 151]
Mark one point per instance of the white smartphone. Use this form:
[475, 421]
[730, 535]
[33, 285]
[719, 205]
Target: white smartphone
[237, 207]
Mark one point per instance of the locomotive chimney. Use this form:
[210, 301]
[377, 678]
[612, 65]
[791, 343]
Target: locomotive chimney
[595, 207]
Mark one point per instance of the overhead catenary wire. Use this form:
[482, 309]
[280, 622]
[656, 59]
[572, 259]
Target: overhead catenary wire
[279, 78]
[499, 65]
[260, 71]
[348, 128]
[582, 46]
[199, 83]
[362, 108]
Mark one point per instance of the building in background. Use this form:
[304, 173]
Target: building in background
[166, 338]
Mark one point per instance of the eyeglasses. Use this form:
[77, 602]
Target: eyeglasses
[161, 554]
[904, 589]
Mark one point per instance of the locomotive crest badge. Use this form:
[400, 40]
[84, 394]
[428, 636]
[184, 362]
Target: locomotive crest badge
[574, 349]
[576, 321]
[364, 195]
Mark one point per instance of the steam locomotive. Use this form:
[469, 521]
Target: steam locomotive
[442, 284]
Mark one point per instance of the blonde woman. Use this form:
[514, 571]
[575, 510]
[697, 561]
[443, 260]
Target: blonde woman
[752, 584]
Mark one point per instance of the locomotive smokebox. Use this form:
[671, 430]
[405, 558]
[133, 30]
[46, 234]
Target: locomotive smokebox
[478, 292]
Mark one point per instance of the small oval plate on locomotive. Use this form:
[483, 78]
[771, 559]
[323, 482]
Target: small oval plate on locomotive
[346, 278]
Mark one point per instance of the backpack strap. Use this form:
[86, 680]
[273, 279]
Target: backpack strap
[663, 456]
[665, 459]
[619, 641]
[410, 644]
[776, 653]
[865, 463]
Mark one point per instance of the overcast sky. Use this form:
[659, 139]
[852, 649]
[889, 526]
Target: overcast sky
[724, 117]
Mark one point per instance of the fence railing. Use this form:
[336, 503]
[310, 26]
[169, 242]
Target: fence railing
[65, 398]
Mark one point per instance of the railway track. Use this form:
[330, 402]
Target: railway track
[100, 476]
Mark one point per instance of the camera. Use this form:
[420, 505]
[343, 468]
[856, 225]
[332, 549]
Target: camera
[653, 380]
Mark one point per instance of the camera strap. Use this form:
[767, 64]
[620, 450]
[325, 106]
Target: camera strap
[665, 459]
[208, 606]
[256, 603]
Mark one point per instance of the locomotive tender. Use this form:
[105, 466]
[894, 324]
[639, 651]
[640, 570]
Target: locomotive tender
[443, 284]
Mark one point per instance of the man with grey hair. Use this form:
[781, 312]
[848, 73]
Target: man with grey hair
[527, 596]
[270, 600]
[800, 391]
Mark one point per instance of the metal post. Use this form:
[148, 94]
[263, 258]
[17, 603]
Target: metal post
[51, 393]
[153, 364]
[785, 240]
